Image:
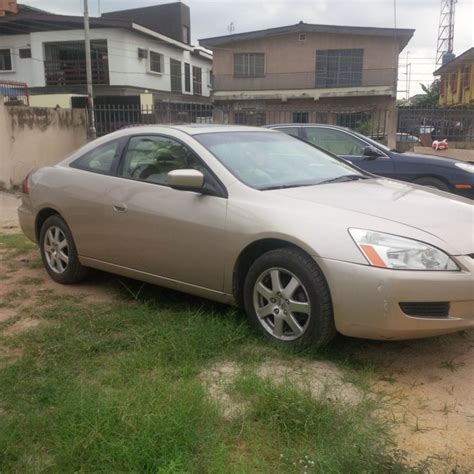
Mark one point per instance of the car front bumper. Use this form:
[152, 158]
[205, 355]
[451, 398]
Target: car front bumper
[366, 300]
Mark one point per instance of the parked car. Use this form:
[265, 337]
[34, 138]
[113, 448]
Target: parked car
[437, 172]
[307, 243]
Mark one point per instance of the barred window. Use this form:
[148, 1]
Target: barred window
[466, 77]
[249, 64]
[454, 82]
[300, 117]
[256, 119]
[197, 80]
[339, 67]
[155, 62]
[176, 80]
[187, 77]
[5, 60]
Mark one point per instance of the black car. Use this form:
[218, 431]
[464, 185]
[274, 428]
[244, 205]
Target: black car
[438, 172]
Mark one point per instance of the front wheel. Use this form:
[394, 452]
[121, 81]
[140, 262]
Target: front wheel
[58, 252]
[287, 299]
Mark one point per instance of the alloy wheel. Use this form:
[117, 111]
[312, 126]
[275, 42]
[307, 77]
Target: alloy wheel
[282, 304]
[56, 249]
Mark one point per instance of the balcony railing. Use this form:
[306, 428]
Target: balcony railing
[304, 80]
[73, 72]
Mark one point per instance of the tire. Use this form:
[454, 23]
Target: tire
[432, 183]
[299, 312]
[58, 252]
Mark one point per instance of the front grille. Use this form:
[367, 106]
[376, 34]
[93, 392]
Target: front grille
[426, 310]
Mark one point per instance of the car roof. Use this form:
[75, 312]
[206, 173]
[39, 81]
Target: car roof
[190, 129]
[328, 125]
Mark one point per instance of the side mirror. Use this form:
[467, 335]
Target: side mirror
[192, 180]
[371, 152]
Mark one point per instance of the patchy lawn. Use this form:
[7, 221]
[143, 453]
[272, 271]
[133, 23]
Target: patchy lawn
[114, 375]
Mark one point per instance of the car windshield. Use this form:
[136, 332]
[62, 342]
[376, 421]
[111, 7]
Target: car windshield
[269, 160]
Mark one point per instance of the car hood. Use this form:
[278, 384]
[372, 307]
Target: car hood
[447, 217]
[435, 159]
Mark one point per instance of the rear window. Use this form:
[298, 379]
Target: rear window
[100, 159]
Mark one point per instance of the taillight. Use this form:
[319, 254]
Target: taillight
[25, 185]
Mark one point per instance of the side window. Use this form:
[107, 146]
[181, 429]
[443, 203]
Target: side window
[100, 159]
[151, 158]
[335, 141]
[289, 130]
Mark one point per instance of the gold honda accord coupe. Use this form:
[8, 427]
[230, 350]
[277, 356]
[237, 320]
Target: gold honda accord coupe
[306, 243]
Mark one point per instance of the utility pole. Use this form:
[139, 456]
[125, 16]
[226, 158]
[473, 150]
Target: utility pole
[90, 90]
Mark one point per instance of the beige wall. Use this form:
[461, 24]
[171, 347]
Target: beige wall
[286, 54]
[34, 137]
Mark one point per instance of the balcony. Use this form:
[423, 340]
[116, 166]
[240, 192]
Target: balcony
[72, 72]
[368, 78]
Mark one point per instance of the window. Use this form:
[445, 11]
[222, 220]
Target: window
[335, 141]
[289, 131]
[339, 67]
[454, 82]
[442, 86]
[186, 38]
[300, 117]
[354, 120]
[256, 119]
[175, 69]
[25, 53]
[466, 77]
[302, 37]
[5, 60]
[197, 80]
[151, 158]
[249, 65]
[100, 159]
[187, 77]
[156, 62]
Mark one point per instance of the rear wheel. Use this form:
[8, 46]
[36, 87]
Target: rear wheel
[58, 252]
[432, 183]
[287, 299]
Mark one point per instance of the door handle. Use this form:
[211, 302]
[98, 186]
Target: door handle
[118, 207]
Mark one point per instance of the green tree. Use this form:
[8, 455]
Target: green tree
[430, 97]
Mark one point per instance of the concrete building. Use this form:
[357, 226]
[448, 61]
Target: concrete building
[457, 80]
[307, 73]
[137, 51]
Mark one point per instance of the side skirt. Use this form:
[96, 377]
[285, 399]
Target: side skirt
[158, 280]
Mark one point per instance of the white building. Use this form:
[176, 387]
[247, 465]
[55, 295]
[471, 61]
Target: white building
[132, 58]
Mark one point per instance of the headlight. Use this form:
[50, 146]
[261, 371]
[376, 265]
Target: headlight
[465, 166]
[391, 251]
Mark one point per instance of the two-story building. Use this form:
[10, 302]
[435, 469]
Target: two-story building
[134, 52]
[457, 80]
[306, 73]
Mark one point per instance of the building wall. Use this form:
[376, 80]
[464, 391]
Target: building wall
[288, 55]
[454, 89]
[35, 137]
[125, 68]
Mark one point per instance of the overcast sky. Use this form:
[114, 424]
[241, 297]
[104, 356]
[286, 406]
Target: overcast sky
[212, 18]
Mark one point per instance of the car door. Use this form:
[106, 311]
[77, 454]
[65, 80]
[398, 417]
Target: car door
[351, 148]
[82, 196]
[179, 235]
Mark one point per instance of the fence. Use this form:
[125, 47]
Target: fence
[454, 123]
[110, 118]
[14, 93]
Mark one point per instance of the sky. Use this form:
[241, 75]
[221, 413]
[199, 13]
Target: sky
[213, 17]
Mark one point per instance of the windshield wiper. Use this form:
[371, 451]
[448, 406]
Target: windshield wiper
[343, 179]
[286, 186]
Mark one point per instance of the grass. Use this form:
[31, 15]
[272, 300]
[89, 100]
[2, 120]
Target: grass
[116, 387]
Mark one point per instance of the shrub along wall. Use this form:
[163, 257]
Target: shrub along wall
[31, 137]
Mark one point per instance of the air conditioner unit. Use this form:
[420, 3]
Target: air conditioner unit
[142, 53]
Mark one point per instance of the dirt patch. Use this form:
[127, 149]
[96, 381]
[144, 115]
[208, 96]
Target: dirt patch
[322, 379]
[22, 325]
[429, 387]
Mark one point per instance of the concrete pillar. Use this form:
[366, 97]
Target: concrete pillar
[392, 124]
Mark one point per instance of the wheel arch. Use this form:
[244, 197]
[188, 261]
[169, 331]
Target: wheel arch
[41, 217]
[437, 177]
[248, 255]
